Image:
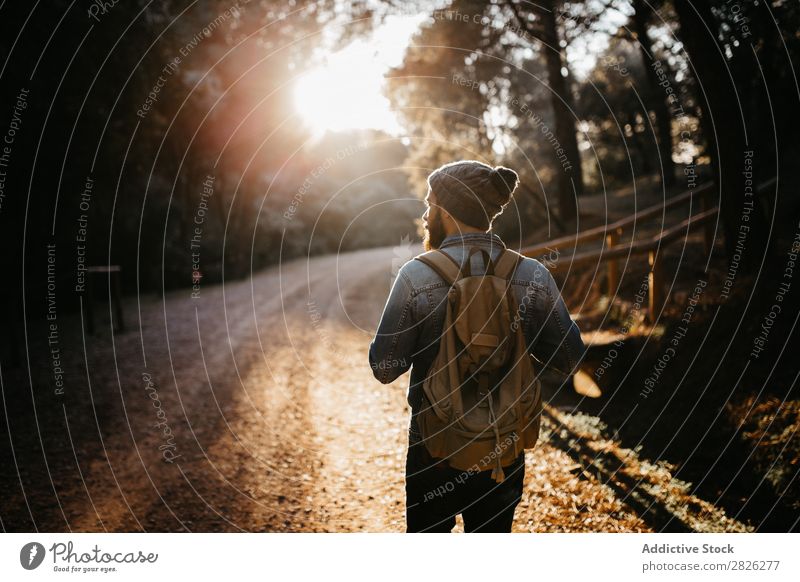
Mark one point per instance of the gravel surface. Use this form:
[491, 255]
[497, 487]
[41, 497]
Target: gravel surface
[275, 423]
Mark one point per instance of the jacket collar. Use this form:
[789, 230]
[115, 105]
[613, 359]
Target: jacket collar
[472, 238]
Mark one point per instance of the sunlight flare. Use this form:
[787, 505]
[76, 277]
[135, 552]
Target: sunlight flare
[346, 92]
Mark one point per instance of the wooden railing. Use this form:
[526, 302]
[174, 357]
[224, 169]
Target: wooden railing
[612, 250]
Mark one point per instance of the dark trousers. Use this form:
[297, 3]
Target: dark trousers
[436, 493]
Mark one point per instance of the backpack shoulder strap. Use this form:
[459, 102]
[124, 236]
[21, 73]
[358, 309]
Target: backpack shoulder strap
[506, 264]
[444, 265]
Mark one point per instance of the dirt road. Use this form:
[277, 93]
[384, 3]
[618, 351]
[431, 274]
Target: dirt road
[253, 408]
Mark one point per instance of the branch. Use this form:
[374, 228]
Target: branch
[526, 24]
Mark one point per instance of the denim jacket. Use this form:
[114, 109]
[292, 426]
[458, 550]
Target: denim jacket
[411, 325]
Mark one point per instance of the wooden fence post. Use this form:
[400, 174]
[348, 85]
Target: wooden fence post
[708, 229]
[88, 307]
[655, 283]
[117, 275]
[612, 269]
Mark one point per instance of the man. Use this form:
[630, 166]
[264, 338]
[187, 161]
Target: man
[463, 199]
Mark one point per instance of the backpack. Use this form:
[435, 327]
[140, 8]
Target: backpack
[482, 400]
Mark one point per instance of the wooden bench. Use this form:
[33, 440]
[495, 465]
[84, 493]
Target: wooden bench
[114, 272]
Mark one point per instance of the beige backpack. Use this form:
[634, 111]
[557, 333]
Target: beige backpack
[482, 401]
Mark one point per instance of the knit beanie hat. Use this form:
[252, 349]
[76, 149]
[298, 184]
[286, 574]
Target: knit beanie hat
[473, 192]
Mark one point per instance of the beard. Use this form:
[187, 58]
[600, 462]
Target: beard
[434, 232]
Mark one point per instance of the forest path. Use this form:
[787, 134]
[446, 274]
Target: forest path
[277, 424]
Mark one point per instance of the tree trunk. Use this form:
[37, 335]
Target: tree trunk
[658, 101]
[743, 221]
[570, 173]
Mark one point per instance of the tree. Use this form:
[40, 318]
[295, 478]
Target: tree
[658, 101]
[616, 122]
[728, 121]
[541, 24]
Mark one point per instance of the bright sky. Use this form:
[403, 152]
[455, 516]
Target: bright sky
[347, 91]
[583, 51]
